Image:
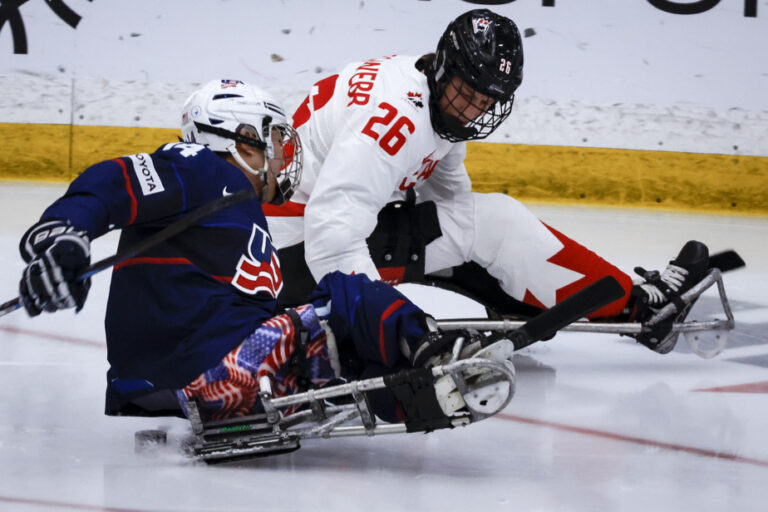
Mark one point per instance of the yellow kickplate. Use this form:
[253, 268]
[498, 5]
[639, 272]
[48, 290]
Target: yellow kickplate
[555, 174]
[48, 152]
[619, 177]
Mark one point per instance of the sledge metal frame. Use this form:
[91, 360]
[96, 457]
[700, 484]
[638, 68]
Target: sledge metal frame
[627, 328]
[276, 431]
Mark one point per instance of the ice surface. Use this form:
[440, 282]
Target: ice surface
[598, 423]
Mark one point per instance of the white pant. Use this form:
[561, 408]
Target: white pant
[500, 234]
[493, 230]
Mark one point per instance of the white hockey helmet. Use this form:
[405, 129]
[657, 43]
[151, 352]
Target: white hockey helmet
[216, 114]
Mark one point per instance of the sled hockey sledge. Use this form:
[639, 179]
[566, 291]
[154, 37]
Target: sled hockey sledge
[476, 380]
[484, 386]
[706, 338]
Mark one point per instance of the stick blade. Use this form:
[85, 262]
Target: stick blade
[726, 261]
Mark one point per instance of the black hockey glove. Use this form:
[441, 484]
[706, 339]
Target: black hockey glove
[55, 254]
[430, 349]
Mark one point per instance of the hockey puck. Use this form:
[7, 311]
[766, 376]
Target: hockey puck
[147, 440]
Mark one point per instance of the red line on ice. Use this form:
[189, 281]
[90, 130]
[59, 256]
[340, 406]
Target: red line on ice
[61, 504]
[51, 336]
[635, 440]
[751, 387]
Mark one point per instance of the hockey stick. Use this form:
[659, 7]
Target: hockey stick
[164, 234]
[546, 324]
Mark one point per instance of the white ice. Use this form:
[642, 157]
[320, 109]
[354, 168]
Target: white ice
[598, 423]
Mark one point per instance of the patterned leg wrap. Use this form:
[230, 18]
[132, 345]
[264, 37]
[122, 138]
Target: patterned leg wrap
[231, 388]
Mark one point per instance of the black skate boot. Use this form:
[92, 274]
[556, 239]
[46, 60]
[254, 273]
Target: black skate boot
[658, 290]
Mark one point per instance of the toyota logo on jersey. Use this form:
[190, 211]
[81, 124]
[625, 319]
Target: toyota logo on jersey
[259, 269]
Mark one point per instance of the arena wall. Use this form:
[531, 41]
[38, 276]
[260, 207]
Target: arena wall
[647, 103]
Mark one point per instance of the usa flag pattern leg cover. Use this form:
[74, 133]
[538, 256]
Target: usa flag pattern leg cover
[231, 388]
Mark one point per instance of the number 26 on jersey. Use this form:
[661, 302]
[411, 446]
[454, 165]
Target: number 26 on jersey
[393, 130]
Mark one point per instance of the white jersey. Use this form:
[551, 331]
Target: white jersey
[367, 139]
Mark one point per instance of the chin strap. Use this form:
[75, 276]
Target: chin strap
[261, 173]
[240, 160]
[283, 190]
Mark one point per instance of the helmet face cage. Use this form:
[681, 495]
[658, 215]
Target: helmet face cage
[455, 121]
[484, 50]
[291, 162]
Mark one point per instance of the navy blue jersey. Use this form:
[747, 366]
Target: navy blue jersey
[177, 309]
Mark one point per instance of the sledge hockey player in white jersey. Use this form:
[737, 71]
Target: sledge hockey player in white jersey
[385, 192]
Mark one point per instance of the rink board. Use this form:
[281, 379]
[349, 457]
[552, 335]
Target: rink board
[591, 176]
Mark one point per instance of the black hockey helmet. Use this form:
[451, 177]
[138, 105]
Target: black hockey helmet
[485, 51]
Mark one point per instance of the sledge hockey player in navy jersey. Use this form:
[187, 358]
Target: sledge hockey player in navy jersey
[385, 191]
[195, 317]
